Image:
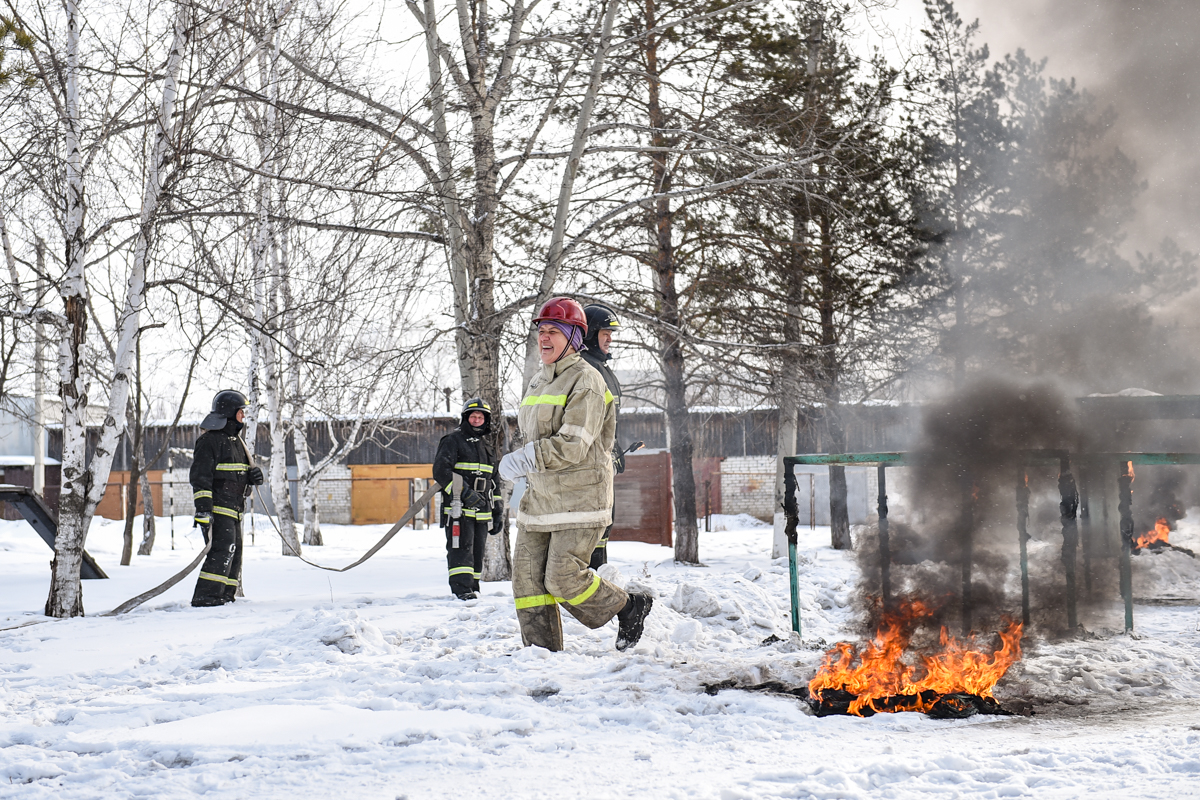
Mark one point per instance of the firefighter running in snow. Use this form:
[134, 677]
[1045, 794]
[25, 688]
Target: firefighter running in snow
[568, 421]
[601, 324]
[465, 466]
[221, 477]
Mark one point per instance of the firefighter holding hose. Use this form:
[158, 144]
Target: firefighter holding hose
[221, 477]
[471, 508]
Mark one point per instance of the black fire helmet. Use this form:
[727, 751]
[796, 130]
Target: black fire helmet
[599, 317]
[224, 407]
[477, 404]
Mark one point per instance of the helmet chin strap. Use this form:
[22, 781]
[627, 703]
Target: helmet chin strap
[563, 354]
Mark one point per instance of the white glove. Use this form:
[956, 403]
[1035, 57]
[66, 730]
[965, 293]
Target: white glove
[518, 463]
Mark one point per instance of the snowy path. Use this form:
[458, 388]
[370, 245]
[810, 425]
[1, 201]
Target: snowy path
[376, 684]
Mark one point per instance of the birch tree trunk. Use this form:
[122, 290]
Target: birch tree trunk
[281, 494]
[307, 482]
[567, 186]
[267, 280]
[478, 328]
[66, 596]
[83, 486]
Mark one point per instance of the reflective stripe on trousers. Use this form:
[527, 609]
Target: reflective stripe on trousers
[551, 569]
[465, 562]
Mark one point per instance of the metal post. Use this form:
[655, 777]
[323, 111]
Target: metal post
[1068, 508]
[885, 546]
[708, 506]
[1023, 539]
[812, 501]
[792, 515]
[1085, 528]
[171, 500]
[1125, 506]
[967, 534]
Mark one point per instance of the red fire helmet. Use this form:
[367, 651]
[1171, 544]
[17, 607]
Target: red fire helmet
[562, 309]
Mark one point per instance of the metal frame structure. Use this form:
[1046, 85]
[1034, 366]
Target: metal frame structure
[1072, 507]
[45, 523]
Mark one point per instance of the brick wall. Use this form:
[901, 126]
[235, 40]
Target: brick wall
[177, 491]
[748, 486]
[333, 495]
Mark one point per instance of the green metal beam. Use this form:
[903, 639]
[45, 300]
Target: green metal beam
[844, 459]
[1154, 458]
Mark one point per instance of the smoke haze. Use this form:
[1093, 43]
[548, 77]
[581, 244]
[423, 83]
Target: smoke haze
[1141, 59]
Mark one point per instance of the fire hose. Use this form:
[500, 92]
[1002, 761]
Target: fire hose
[150, 594]
[434, 488]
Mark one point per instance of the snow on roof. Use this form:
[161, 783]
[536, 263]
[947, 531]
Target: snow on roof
[1132, 392]
[24, 461]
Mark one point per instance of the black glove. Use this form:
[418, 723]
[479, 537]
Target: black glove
[203, 521]
[254, 476]
[497, 518]
[618, 461]
[473, 499]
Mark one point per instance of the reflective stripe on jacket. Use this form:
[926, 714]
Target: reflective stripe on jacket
[568, 414]
[218, 472]
[470, 457]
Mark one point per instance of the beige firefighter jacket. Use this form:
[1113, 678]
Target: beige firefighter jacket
[568, 414]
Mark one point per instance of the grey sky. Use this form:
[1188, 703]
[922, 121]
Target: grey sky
[1139, 57]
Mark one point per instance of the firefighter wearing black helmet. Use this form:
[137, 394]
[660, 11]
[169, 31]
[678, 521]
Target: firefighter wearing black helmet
[221, 477]
[602, 322]
[465, 467]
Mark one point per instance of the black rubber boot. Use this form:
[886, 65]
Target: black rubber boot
[631, 620]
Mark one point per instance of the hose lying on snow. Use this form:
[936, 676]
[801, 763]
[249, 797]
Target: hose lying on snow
[150, 594]
[133, 603]
[417, 506]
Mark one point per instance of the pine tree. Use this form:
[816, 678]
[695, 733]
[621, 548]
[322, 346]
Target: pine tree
[826, 253]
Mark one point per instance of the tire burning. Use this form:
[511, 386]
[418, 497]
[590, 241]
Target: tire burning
[1160, 533]
[954, 680]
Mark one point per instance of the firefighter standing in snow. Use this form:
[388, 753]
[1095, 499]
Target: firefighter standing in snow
[601, 324]
[463, 454]
[568, 422]
[221, 477]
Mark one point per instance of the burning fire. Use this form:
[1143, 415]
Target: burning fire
[1161, 533]
[879, 672]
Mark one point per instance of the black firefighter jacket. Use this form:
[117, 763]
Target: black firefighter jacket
[614, 388]
[218, 474]
[470, 457]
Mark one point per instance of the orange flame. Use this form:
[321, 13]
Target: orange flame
[1161, 533]
[881, 673]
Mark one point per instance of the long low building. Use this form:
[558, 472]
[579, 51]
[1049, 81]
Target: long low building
[733, 466]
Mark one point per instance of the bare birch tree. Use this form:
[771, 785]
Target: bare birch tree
[94, 103]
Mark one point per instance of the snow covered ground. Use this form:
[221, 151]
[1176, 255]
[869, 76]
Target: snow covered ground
[377, 684]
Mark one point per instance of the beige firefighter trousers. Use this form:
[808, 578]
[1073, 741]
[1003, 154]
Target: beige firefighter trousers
[551, 569]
